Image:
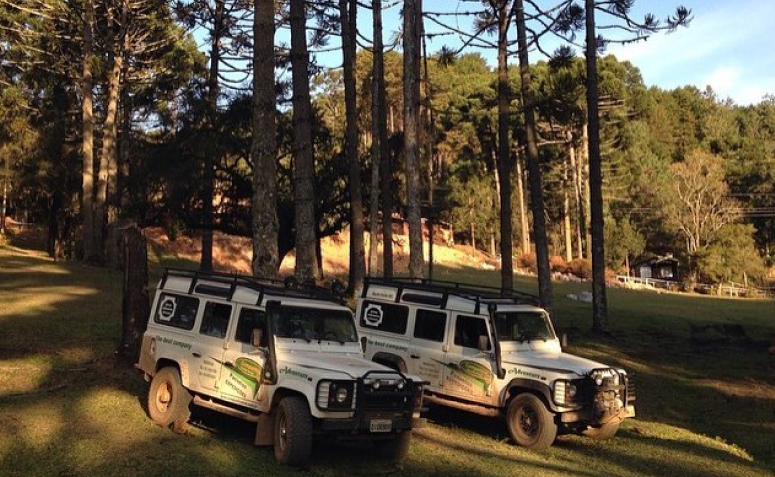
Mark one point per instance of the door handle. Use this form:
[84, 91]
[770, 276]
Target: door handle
[415, 356]
[196, 355]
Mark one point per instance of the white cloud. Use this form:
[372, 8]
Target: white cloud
[724, 47]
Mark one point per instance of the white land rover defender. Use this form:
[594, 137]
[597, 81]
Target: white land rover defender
[493, 354]
[285, 357]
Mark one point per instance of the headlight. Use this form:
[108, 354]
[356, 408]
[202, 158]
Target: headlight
[336, 395]
[564, 392]
[341, 395]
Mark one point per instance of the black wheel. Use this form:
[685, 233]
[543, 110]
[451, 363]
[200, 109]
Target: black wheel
[606, 431]
[168, 400]
[394, 449]
[293, 432]
[531, 425]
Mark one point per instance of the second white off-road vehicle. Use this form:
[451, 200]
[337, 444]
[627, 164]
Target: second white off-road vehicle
[494, 354]
[285, 357]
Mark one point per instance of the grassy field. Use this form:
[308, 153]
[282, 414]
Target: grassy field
[68, 408]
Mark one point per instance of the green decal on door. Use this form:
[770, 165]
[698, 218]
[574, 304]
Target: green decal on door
[244, 378]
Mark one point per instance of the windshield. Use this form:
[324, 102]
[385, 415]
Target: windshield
[523, 326]
[316, 324]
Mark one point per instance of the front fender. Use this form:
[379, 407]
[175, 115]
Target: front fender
[518, 385]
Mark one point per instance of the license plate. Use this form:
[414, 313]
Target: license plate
[381, 425]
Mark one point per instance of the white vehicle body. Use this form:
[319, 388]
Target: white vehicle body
[478, 350]
[241, 346]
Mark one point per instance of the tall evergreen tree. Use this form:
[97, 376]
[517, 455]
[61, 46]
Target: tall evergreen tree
[533, 165]
[347, 14]
[264, 148]
[411, 148]
[303, 158]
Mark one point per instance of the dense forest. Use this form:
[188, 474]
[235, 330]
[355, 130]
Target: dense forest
[210, 115]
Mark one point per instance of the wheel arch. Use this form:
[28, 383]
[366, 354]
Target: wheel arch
[390, 360]
[520, 385]
[171, 363]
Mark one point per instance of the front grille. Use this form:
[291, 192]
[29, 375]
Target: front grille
[385, 392]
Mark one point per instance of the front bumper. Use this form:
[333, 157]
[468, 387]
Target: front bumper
[607, 395]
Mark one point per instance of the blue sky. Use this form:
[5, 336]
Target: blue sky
[726, 46]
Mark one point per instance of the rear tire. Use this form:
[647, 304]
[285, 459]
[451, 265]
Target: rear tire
[293, 432]
[395, 449]
[168, 400]
[530, 424]
[606, 431]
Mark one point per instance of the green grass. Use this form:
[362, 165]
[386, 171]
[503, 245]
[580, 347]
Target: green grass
[69, 408]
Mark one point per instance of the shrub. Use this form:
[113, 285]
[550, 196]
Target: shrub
[581, 267]
[528, 261]
[558, 264]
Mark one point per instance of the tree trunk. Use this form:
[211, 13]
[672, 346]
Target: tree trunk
[578, 196]
[211, 151]
[599, 299]
[534, 167]
[412, 18]
[524, 223]
[87, 147]
[109, 138]
[504, 150]
[567, 229]
[135, 306]
[385, 169]
[303, 160]
[357, 258]
[264, 147]
[376, 159]
[584, 163]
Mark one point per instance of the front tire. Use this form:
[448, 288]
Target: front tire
[606, 431]
[168, 400]
[395, 449]
[293, 432]
[530, 424]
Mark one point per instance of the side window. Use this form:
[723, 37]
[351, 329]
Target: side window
[215, 320]
[468, 329]
[430, 325]
[384, 317]
[177, 311]
[249, 319]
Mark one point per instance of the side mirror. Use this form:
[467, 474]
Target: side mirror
[257, 337]
[484, 343]
[564, 340]
[364, 340]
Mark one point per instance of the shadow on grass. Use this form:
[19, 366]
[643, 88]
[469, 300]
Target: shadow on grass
[96, 423]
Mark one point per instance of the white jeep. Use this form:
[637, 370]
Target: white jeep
[493, 354]
[285, 357]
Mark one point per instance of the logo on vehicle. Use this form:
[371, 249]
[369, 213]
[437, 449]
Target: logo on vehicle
[167, 308]
[372, 315]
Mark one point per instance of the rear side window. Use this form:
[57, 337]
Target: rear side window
[177, 311]
[384, 317]
[468, 329]
[430, 325]
[249, 319]
[215, 320]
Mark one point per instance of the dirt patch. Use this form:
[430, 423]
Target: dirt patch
[233, 253]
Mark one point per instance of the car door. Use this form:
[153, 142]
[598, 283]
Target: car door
[243, 364]
[426, 355]
[207, 352]
[468, 372]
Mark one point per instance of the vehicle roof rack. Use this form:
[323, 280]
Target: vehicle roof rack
[289, 287]
[477, 293]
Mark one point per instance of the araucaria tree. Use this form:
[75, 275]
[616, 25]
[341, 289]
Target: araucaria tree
[303, 158]
[264, 148]
[412, 28]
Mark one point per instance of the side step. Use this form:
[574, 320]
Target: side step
[230, 411]
[474, 408]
